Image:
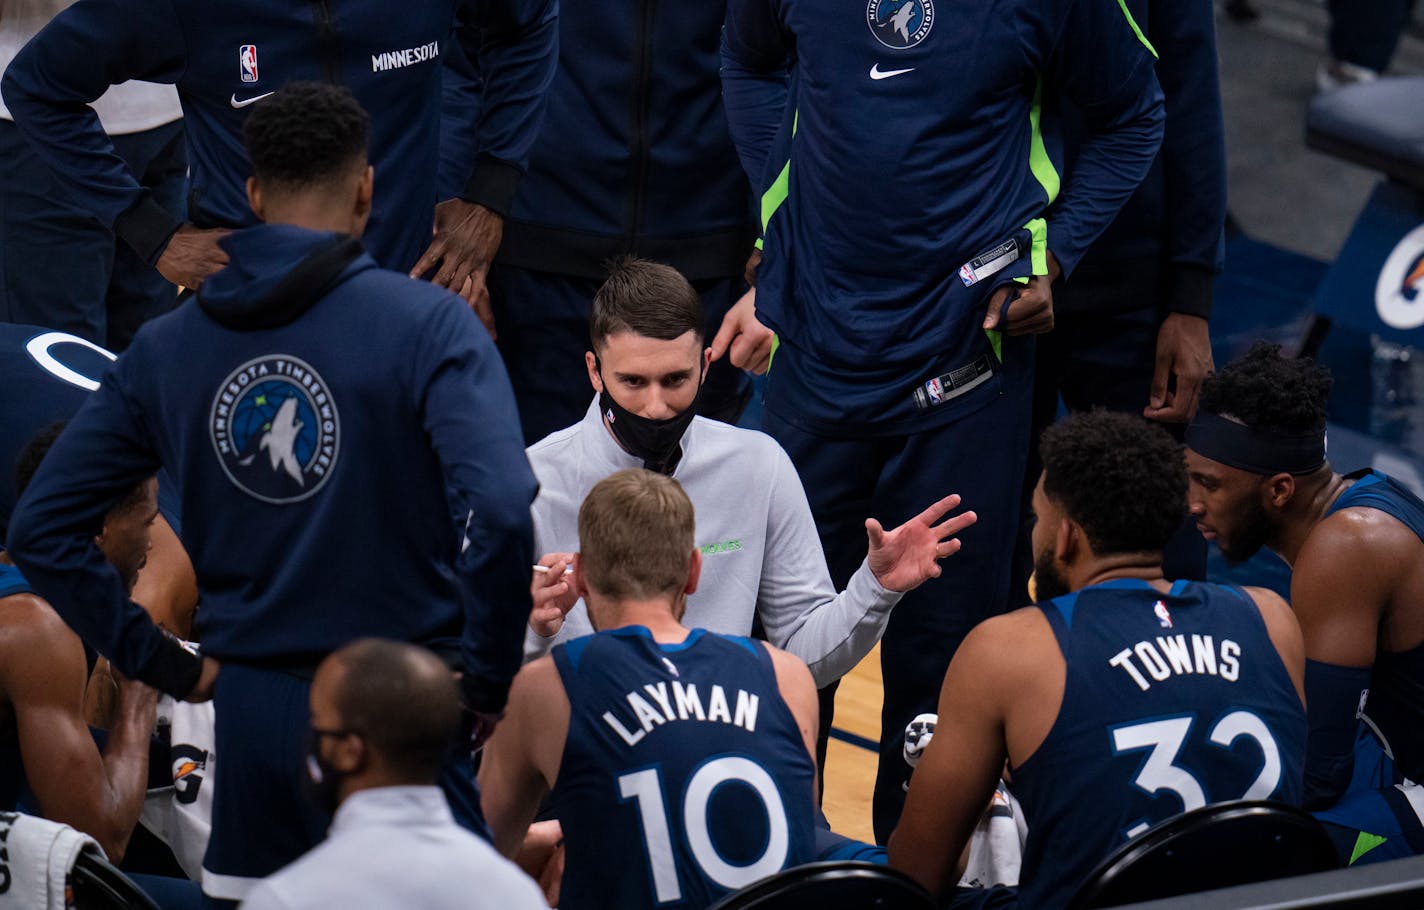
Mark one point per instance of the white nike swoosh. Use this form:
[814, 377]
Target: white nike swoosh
[877, 73]
[245, 103]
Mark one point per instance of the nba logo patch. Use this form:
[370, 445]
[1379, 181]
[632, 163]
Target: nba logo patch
[1163, 617]
[247, 62]
[935, 389]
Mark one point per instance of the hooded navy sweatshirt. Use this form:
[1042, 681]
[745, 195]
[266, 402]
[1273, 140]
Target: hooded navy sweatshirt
[336, 430]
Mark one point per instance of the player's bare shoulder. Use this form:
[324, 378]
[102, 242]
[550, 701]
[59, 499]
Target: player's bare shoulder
[1012, 651]
[1362, 536]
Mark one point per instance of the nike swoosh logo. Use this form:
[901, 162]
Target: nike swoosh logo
[245, 103]
[877, 73]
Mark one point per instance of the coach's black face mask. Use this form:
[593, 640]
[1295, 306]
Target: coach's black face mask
[657, 442]
[322, 781]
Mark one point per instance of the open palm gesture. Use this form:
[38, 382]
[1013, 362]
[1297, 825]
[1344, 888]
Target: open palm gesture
[907, 557]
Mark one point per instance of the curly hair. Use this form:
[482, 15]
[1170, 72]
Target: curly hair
[1119, 477]
[1266, 391]
[305, 133]
[34, 452]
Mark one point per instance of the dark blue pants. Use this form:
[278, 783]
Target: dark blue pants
[893, 478]
[59, 267]
[1366, 32]
[262, 817]
[543, 334]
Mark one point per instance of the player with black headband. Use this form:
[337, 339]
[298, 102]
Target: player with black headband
[1355, 543]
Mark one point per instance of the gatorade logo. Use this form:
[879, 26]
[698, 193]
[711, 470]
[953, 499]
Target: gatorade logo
[1399, 293]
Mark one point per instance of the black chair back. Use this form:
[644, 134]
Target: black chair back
[1217, 846]
[841, 885]
[100, 886]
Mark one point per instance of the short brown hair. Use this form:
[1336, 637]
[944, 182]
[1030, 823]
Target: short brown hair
[636, 535]
[645, 298]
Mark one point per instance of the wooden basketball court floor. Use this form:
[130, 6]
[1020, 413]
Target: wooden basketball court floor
[851, 756]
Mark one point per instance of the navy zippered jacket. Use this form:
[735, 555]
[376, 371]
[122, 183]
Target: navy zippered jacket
[222, 56]
[1177, 214]
[314, 410]
[634, 155]
[909, 144]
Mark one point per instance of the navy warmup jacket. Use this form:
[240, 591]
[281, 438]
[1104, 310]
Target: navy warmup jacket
[314, 410]
[1177, 213]
[223, 56]
[909, 143]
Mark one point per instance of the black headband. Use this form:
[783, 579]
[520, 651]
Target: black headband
[1258, 451]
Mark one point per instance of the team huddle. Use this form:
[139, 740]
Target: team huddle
[417, 558]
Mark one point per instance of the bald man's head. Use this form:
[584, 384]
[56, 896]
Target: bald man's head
[400, 698]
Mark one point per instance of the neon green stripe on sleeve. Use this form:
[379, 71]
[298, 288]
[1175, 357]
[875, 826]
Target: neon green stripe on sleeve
[1038, 161]
[780, 188]
[1135, 30]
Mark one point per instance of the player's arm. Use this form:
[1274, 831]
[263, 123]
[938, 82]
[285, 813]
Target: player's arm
[1193, 149]
[167, 585]
[72, 61]
[101, 455]
[521, 761]
[514, 43]
[44, 676]
[960, 768]
[467, 407]
[1338, 592]
[1284, 629]
[798, 690]
[756, 64]
[798, 605]
[1103, 63]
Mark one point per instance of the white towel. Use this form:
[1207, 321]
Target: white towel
[996, 846]
[36, 860]
[181, 814]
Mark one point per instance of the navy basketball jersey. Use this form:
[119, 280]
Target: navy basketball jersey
[44, 377]
[1395, 705]
[684, 776]
[1171, 702]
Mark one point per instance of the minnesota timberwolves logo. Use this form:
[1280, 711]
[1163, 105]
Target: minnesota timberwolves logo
[900, 24]
[275, 428]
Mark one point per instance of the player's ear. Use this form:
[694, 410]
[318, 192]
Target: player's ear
[580, 586]
[706, 362]
[694, 572]
[348, 754]
[590, 360]
[1278, 490]
[365, 190]
[254, 198]
[1067, 541]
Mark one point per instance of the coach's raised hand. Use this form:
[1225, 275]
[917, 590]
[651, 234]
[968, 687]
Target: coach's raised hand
[553, 594]
[465, 239]
[907, 557]
[192, 254]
